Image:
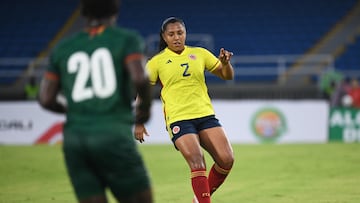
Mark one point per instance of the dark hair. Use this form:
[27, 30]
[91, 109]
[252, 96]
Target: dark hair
[162, 43]
[99, 9]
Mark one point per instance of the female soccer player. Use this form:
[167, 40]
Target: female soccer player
[97, 70]
[189, 114]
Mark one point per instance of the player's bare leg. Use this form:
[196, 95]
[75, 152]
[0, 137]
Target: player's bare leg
[190, 148]
[215, 142]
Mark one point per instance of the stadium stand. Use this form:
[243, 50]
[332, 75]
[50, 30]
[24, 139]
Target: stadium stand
[261, 27]
[27, 29]
[350, 59]
[246, 27]
[276, 30]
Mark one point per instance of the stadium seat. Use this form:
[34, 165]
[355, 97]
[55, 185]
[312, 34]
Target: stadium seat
[246, 27]
[27, 28]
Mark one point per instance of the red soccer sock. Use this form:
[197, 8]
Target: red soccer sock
[216, 177]
[200, 185]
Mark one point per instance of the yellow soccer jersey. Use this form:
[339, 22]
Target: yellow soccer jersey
[184, 92]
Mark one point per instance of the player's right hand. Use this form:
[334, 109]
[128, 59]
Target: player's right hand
[139, 132]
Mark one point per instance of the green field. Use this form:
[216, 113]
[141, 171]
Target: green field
[301, 173]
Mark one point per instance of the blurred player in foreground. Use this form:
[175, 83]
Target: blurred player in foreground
[189, 114]
[97, 71]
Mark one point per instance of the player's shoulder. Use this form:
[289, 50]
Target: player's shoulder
[197, 49]
[66, 42]
[158, 56]
[123, 31]
[69, 39]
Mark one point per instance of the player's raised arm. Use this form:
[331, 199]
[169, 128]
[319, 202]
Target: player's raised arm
[225, 70]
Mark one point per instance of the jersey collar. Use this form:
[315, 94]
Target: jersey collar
[175, 54]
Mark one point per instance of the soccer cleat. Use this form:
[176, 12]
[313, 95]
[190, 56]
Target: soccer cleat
[195, 200]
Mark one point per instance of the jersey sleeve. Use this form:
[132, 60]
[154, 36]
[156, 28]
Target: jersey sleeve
[151, 68]
[211, 61]
[135, 44]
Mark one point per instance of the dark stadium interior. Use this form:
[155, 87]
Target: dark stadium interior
[281, 47]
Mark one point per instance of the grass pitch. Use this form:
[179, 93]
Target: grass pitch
[298, 173]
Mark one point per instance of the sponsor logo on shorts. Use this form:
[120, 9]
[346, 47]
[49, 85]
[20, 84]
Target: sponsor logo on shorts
[176, 129]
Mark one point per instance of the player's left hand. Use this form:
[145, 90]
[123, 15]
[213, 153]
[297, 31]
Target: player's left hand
[225, 56]
[139, 132]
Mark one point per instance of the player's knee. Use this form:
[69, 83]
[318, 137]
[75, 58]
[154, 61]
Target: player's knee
[227, 162]
[196, 163]
[197, 166]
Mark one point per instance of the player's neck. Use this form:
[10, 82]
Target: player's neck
[177, 51]
[94, 22]
[96, 30]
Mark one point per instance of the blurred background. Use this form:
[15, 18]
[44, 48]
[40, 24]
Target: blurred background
[283, 49]
[297, 66]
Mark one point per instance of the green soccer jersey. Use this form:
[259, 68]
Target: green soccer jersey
[93, 79]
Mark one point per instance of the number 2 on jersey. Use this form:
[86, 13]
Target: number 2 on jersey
[98, 68]
[186, 66]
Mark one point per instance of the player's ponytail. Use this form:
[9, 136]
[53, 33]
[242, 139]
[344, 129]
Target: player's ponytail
[162, 43]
